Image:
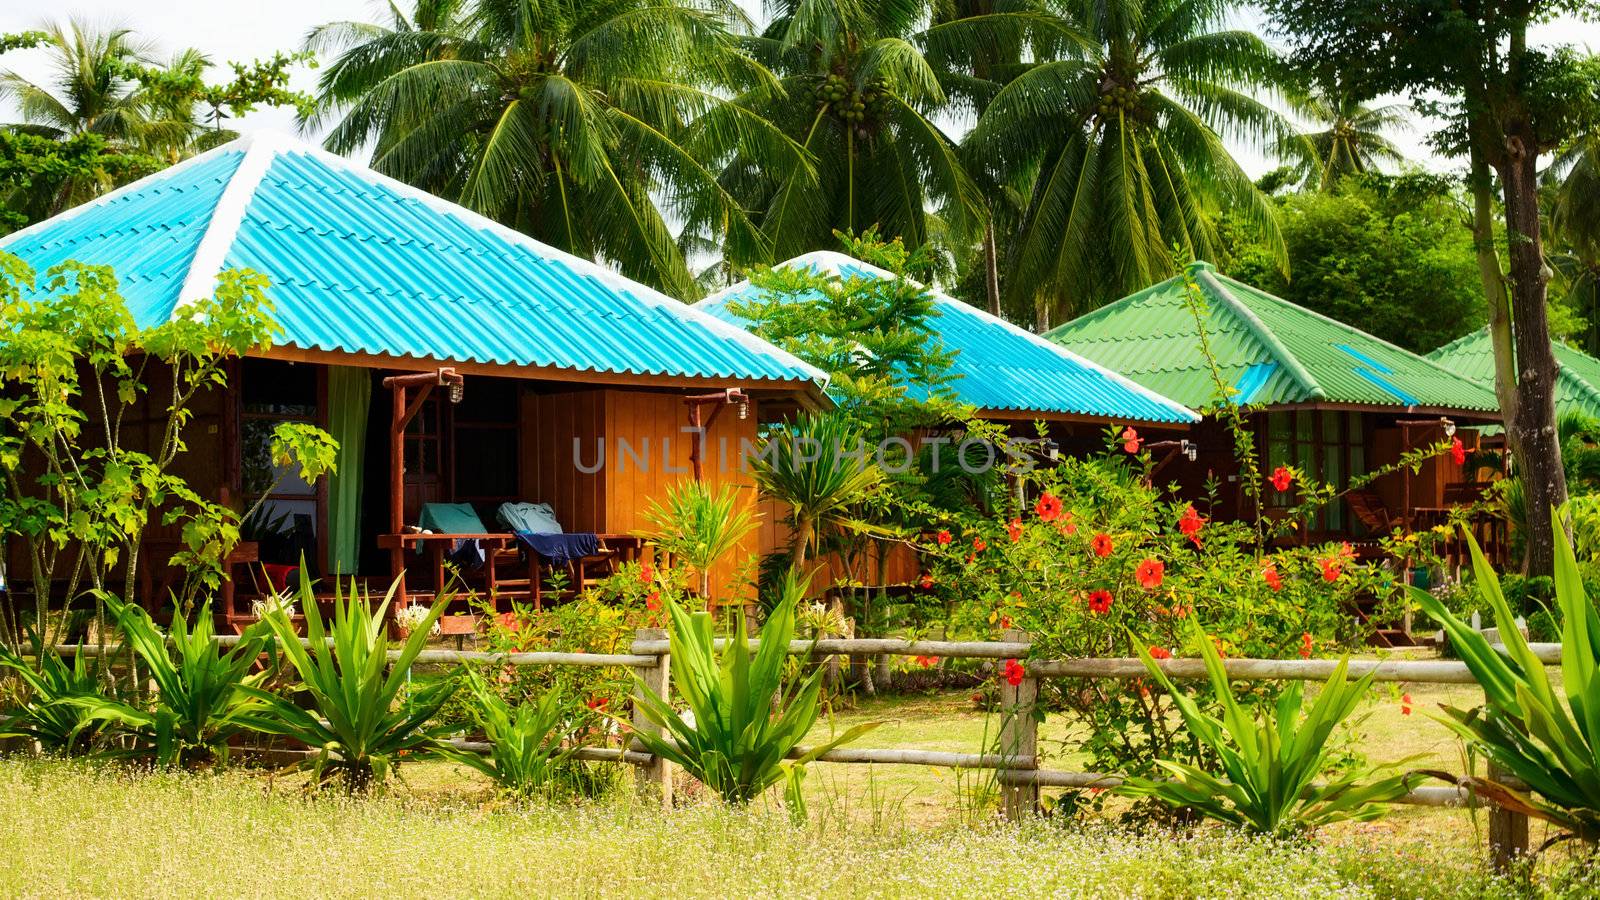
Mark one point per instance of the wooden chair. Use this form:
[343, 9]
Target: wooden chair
[1369, 510]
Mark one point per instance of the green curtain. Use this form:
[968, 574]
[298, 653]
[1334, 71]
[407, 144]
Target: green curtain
[349, 399]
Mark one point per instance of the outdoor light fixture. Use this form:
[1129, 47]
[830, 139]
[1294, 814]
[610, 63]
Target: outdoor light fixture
[1190, 451]
[456, 390]
[1449, 428]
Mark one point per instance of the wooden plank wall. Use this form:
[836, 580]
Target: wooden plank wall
[550, 424]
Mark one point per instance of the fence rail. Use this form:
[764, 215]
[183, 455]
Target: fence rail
[1017, 771]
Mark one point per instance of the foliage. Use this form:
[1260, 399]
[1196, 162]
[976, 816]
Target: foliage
[200, 689]
[353, 722]
[1386, 254]
[1121, 129]
[1524, 727]
[699, 524]
[1269, 768]
[746, 714]
[531, 747]
[39, 175]
[1352, 141]
[818, 468]
[47, 712]
[582, 124]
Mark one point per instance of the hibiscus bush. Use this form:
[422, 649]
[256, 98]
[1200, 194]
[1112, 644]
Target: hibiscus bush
[1102, 562]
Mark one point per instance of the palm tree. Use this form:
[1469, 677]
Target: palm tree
[579, 122]
[1122, 141]
[860, 95]
[1351, 141]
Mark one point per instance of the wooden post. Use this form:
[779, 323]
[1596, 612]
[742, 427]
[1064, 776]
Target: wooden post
[654, 779]
[1508, 830]
[1019, 736]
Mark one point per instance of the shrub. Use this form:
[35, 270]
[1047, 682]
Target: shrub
[531, 746]
[1269, 766]
[45, 711]
[355, 723]
[745, 718]
[201, 691]
[1523, 727]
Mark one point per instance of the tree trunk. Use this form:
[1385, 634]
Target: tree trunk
[991, 269]
[1536, 444]
[1494, 290]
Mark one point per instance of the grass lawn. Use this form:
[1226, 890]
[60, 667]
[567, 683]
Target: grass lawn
[77, 830]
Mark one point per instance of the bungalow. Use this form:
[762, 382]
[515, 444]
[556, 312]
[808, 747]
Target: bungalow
[1323, 396]
[455, 360]
[1577, 377]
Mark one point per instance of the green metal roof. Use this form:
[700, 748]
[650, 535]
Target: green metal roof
[1577, 381]
[1268, 349]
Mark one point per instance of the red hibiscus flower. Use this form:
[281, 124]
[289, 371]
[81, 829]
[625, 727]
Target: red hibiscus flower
[1014, 528]
[927, 662]
[1458, 451]
[1067, 526]
[1101, 544]
[943, 537]
[1405, 704]
[1330, 570]
[1005, 621]
[646, 574]
[1282, 478]
[1269, 574]
[979, 545]
[1100, 601]
[1048, 507]
[596, 702]
[926, 581]
[1190, 524]
[1131, 440]
[1305, 645]
[1149, 573]
[652, 602]
[1014, 672]
[1160, 653]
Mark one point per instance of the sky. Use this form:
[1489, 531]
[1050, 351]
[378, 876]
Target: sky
[244, 30]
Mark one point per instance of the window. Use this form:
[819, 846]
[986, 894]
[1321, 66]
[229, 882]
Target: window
[1327, 445]
[286, 524]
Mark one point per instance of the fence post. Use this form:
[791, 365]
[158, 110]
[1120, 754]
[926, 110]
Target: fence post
[1508, 830]
[1019, 735]
[655, 778]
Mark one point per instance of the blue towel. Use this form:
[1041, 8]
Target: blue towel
[561, 548]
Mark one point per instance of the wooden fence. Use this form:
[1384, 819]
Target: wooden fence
[1016, 765]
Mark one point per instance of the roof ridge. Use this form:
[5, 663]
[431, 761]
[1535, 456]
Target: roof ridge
[1451, 345]
[1262, 333]
[227, 214]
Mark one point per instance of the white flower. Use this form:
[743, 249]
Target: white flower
[413, 615]
[282, 601]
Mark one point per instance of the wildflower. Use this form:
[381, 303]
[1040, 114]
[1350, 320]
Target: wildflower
[926, 581]
[1160, 653]
[1131, 440]
[1005, 622]
[1405, 704]
[652, 601]
[646, 574]
[1269, 574]
[1305, 645]
[597, 702]
[1048, 507]
[1282, 478]
[1100, 601]
[1101, 544]
[943, 537]
[1014, 528]
[1330, 570]
[927, 662]
[979, 545]
[1067, 526]
[1014, 672]
[1149, 573]
[1190, 524]
[1217, 642]
[1458, 451]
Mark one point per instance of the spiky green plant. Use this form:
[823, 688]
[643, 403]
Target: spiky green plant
[530, 748]
[201, 690]
[1549, 742]
[46, 712]
[746, 714]
[699, 524]
[1269, 766]
[809, 468]
[356, 721]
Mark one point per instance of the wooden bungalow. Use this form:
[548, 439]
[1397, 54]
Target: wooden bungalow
[1006, 373]
[1323, 396]
[455, 360]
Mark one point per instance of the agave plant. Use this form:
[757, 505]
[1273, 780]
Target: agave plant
[1524, 727]
[356, 723]
[48, 715]
[699, 524]
[530, 748]
[1270, 768]
[743, 718]
[202, 692]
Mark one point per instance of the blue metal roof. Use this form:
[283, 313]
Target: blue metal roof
[1000, 366]
[361, 263]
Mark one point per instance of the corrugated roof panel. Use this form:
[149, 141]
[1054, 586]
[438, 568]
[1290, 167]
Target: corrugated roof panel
[1152, 337]
[998, 365]
[361, 263]
[1577, 381]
